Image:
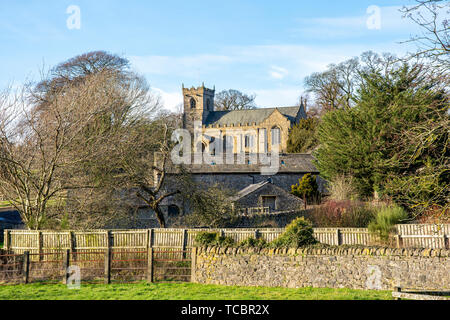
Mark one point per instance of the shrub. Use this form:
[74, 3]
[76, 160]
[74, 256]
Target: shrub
[386, 219]
[342, 188]
[345, 214]
[253, 243]
[205, 238]
[298, 233]
[307, 188]
[302, 136]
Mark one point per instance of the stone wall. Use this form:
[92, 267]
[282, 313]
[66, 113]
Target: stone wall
[356, 268]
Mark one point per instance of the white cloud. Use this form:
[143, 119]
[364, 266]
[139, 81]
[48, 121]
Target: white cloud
[170, 100]
[391, 20]
[278, 72]
[260, 65]
[195, 65]
[275, 73]
[281, 97]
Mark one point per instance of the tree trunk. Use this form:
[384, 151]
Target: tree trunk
[160, 217]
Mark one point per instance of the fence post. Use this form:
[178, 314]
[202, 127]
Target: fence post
[40, 246]
[150, 238]
[398, 240]
[108, 239]
[338, 237]
[26, 266]
[150, 265]
[184, 245]
[72, 245]
[66, 265]
[398, 289]
[7, 240]
[108, 266]
[446, 242]
[184, 241]
[193, 263]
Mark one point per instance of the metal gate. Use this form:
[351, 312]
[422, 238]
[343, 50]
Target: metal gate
[171, 265]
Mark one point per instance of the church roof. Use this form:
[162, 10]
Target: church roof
[243, 117]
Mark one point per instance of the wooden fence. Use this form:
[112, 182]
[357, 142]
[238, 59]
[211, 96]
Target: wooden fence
[19, 241]
[123, 266]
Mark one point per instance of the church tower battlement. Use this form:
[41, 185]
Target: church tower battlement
[198, 103]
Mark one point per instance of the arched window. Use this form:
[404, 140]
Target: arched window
[208, 105]
[276, 136]
[193, 103]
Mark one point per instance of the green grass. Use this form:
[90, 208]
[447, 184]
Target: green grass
[5, 204]
[176, 291]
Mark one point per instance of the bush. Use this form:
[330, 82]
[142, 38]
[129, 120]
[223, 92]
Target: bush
[386, 219]
[253, 243]
[343, 188]
[302, 136]
[307, 188]
[344, 214]
[298, 233]
[205, 238]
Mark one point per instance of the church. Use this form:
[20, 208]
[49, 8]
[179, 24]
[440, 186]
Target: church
[239, 131]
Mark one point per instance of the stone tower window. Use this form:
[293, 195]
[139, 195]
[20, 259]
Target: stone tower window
[193, 103]
[208, 104]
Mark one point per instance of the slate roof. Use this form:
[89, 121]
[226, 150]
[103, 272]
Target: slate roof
[250, 189]
[243, 117]
[288, 163]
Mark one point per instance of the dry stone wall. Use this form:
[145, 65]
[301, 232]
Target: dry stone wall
[336, 267]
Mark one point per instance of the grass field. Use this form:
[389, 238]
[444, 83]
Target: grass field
[185, 291]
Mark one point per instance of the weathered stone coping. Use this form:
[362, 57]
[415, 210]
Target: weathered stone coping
[330, 251]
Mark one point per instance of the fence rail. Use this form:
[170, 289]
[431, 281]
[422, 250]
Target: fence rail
[19, 241]
[107, 266]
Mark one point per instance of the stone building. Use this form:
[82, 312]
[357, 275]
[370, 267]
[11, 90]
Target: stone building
[265, 198]
[248, 131]
[246, 135]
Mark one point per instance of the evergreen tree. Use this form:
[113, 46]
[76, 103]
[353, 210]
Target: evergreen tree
[303, 136]
[364, 141]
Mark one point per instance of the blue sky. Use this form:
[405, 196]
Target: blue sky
[259, 47]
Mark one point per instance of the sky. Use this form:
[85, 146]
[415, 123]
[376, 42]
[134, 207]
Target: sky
[259, 47]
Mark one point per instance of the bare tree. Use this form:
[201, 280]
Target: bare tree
[57, 153]
[337, 87]
[148, 167]
[434, 41]
[210, 207]
[234, 100]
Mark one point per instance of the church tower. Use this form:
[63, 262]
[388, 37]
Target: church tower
[198, 103]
